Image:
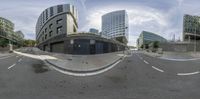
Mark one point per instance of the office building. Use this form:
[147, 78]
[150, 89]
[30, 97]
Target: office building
[191, 28]
[8, 35]
[146, 38]
[115, 26]
[56, 31]
[54, 24]
[94, 31]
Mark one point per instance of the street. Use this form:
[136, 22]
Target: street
[136, 77]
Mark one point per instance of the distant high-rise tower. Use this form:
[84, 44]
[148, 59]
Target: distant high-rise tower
[115, 25]
[93, 30]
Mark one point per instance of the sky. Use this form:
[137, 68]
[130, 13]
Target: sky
[163, 17]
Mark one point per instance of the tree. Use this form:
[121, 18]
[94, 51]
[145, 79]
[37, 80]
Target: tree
[29, 43]
[155, 44]
[3, 42]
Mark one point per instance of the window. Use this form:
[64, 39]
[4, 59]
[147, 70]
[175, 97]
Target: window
[59, 30]
[45, 30]
[51, 11]
[59, 21]
[45, 36]
[46, 14]
[50, 33]
[50, 26]
[43, 17]
[60, 8]
[42, 38]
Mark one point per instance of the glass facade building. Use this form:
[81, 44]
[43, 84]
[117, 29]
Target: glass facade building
[7, 32]
[115, 25]
[146, 38]
[191, 28]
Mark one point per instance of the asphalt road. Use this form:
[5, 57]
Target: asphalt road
[137, 77]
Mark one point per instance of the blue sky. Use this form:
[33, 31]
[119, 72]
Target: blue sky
[163, 17]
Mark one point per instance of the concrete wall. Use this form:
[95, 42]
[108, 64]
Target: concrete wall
[180, 47]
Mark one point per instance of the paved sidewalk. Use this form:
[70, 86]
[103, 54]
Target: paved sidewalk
[151, 54]
[5, 54]
[77, 63]
[179, 56]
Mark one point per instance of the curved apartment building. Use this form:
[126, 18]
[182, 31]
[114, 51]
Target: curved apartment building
[54, 22]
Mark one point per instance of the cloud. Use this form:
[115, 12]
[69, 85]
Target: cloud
[140, 18]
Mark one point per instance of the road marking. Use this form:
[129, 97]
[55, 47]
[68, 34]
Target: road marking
[17, 56]
[157, 69]
[11, 66]
[146, 62]
[184, 74]
[20, 60]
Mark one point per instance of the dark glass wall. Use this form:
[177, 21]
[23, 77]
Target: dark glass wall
[83, 47]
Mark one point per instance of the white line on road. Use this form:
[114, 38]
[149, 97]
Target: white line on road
[157, 69]
[17, 56]
[20, 60]
[146, 62]
[11, 66]
[184, 74]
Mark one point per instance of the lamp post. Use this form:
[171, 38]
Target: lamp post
[195, 46]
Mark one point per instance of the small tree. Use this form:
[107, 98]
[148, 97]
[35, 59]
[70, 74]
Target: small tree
[155, 44]
[3, 42]
[146, 46]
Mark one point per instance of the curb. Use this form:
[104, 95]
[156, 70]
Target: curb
[83, 72]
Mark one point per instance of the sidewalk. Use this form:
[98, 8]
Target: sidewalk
[177, 56]
[77, 63]
[4, 54]
[151, 54]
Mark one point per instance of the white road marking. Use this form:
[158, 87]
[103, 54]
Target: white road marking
[20, 60]
[146, 62]
[184, 74]
[17, 56]
[11, 66]
[157, 69]
[42, 57]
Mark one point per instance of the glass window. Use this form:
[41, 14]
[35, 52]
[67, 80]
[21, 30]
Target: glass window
[46, 14]
[51, 11]
[59, 30]
[59, 21]
[50, 26]
[45, 30]
[50, 33]
[45, 36]
[60, 8]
